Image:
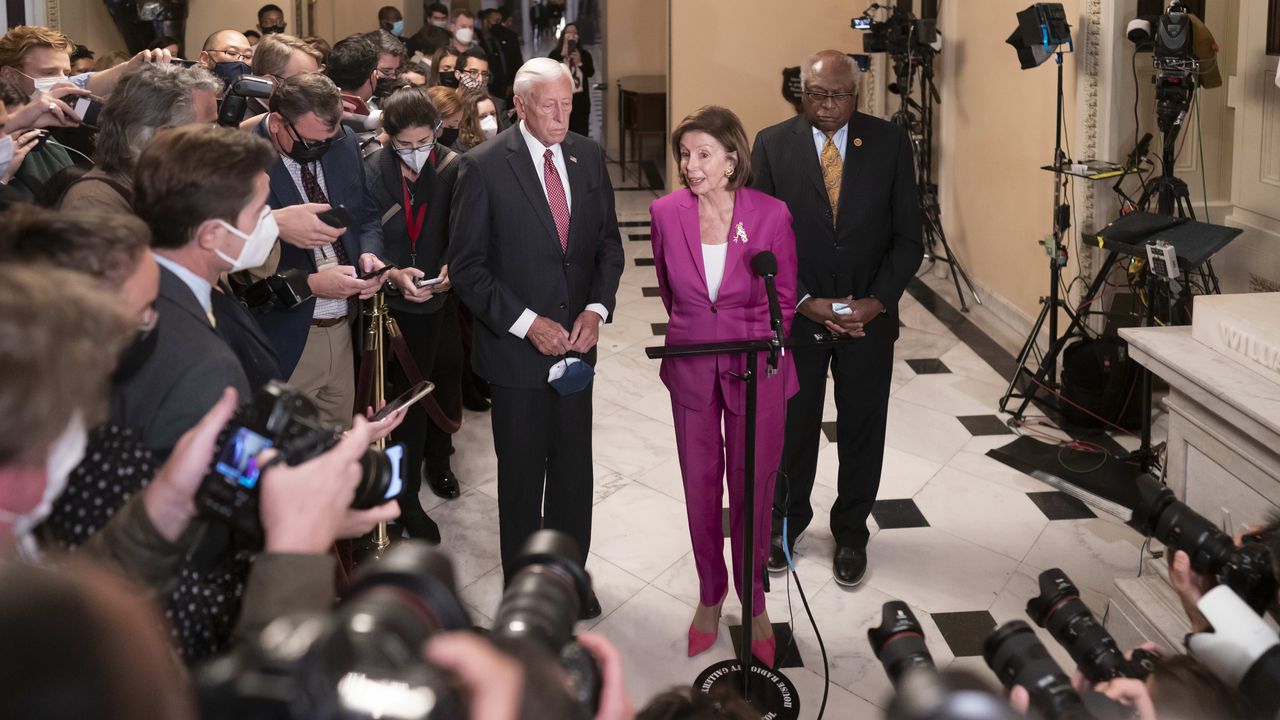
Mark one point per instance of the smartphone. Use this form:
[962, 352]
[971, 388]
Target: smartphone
[238, 462]
[573, 46]
[337, 216]
[841, 308]
[410, 396]
[87, 109]
[862, 23]
[427, 282]
[375, 273]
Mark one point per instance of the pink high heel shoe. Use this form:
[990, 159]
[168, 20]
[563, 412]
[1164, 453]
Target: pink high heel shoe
[765, 649]
[699, 641]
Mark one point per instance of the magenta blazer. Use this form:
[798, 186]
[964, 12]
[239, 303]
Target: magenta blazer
[741, 310]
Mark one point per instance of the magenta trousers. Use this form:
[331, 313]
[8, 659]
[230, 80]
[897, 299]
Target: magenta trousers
[703, 451]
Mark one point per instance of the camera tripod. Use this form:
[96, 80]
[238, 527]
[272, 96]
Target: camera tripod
[919, 129]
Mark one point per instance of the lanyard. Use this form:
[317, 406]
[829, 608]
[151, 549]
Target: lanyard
[414, 219]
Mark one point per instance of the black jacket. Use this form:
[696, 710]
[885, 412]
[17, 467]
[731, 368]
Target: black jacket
[506, 256]
[875, 248]
[435, 188]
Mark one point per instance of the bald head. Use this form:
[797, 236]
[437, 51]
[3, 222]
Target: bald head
[830, 82]
[224, 46]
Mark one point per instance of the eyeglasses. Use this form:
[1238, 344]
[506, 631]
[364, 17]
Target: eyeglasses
[822, 97]
[387, 72]
[473, 72]
[233, 54]
[310, 144]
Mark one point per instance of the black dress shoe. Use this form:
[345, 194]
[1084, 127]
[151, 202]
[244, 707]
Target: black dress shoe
[592, 610]
[849, 566]
[444, 484]
[777, 558]
[419, 525]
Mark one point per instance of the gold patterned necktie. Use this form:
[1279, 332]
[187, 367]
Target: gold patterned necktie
[832, 172]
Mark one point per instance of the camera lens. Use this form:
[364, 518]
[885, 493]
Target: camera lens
[1017, 657]
[546, 589]
[899, 642]
[1059, 610]
[375, 480]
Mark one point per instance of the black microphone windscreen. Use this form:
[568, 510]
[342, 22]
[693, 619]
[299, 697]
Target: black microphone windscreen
[765, 263]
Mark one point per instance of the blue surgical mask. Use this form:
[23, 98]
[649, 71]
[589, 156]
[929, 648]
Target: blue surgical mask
[397, 28]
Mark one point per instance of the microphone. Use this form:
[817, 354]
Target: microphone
[765, 264]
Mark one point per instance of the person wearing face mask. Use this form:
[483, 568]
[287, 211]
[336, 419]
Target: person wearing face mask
[463, 28]
[569, 51]
[474, 76]
[353, 67]
[16, 140]
[443, 64]
[271, 20]
[479, 119]
[146, 101]
[390, 19]
[449, 108]
[503, 47]
[226, 53]
[434, 33]
[411, 181]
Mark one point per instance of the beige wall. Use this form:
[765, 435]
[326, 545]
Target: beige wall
[88, 23]
[208, 16]
[996, 127]
[635, 43]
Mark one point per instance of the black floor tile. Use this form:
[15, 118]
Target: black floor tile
[652, 292]
[895, 514]
[640, 238]
[965, 631]
[787, 653]
[659, 328]
[644, 262]
[989, 350]
[928, 366]
[829, 429]
[633, 223]
[1060, 506]
[979, 425]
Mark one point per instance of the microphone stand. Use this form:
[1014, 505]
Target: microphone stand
[774, 346]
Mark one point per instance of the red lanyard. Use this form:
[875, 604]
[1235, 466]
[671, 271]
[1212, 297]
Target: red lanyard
[413, 219]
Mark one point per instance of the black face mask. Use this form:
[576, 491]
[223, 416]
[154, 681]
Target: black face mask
[272, 29]
[228, 72]
[305, 151]
[449, 79]
[135, 356]
[447, 137]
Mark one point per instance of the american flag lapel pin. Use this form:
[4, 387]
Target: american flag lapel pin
[573, 159]
[740, 235]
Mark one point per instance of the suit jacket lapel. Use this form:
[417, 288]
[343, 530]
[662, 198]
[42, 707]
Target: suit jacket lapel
[744, 215]
[807, 155]
[577, 184]
[173, 288]
[526, 175]
[853, 161]
[687, 209]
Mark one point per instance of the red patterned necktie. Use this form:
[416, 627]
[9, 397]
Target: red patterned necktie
[315, 194]
[556, 199]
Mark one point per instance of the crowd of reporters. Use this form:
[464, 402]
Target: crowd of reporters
[145, 302]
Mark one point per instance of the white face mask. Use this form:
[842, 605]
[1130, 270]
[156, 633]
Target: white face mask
[257, 244]
[464, 35]
[64, 456]
[416, 159]
[45, 84]
[440, 23]
[489, 126]
[6, 154]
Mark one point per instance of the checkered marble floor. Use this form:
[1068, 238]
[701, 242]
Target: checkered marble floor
[957, 535]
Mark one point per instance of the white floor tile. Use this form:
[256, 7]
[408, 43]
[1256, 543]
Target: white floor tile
[981, 512]
[926, 433]
[640, 530]
[1091, 552]
[931, 569]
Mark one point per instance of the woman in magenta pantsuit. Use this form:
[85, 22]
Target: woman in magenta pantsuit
[704, 237]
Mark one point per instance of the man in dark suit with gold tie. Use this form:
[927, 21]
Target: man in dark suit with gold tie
[538, 264]
[849, 182]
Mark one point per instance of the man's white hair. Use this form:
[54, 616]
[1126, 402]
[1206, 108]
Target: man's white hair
[538, 71]
[806, 67]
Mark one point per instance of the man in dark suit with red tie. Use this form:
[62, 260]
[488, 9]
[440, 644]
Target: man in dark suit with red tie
[849, 182]
[538, 264]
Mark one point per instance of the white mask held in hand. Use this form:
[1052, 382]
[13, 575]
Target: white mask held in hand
[416, 159]
[6, 154]
[257, 244]
[464, 35]
[489, 126]
[65, 454]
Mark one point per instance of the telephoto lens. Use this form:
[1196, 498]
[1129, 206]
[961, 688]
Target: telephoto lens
[1017, 657]
[899, 642]
[547, 587]
[1060, 610]
[362, 661]
[1246, 569]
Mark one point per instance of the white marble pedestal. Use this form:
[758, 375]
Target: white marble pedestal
[1223, 460]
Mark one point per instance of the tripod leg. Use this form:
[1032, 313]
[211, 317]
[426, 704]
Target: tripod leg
[1023, 356]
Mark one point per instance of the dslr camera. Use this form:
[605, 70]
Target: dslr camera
[364, 659]
[235, 101]
[899, 34]
[280, 418]
[1059, 609]
[1246, 569]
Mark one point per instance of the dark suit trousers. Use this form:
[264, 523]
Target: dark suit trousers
[862, 371]
[543, 441]
[440, 362]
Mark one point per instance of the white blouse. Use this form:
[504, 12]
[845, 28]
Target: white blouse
[713, 258]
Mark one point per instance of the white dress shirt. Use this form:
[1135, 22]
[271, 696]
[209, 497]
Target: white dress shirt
[713, 259]
[537, 150]
[200, 287]
[325, 257]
